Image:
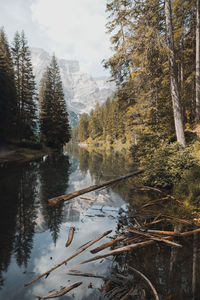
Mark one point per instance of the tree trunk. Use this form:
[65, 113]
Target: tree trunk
[197, 60]
[177, 107]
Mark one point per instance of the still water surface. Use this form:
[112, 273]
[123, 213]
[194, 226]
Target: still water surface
[33, 235]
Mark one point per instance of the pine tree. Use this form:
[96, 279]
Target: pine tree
[83, 128]
[25, 86]
[54, 124]
[8, 100]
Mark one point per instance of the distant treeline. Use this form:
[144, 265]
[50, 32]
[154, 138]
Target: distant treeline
[156, 66]
[25, 116]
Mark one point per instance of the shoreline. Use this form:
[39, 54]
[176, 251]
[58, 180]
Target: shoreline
[15, 154]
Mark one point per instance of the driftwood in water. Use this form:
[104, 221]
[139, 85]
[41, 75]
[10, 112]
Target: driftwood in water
[187, 233]
[56, 200]
[158, 239]
[154, 202]
[70, 236]
[62, 291]
[147, 281]
[77, 273]
[183, 221]
[163, 232]
[109, 244]
[120, 250]
[68, 259]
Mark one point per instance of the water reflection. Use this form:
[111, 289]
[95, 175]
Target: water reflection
[33, 235]
[54, 176]
[17, 213]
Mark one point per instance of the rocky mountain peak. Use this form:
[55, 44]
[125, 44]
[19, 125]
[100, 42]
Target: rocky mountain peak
[82, 91]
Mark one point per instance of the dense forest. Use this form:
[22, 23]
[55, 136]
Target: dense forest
[155, 65]
[27, 119]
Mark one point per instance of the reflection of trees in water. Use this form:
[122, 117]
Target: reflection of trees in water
[83, 156]
[26, 213]
[173, 271]
[8, 209]
[54, 176]
[17, 213]
[108, 165]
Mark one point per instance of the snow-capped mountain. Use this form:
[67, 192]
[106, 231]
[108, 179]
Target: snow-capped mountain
[82, 91]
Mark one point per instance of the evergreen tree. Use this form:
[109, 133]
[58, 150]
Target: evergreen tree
[83, 128]
[8, 100]
[25, 86]
[54, 124]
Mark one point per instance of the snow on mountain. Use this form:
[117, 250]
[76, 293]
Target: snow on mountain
[82, 91]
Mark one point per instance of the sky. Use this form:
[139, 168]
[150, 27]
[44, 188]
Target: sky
[73, 29]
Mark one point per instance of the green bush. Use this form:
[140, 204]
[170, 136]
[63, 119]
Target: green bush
[164, 164]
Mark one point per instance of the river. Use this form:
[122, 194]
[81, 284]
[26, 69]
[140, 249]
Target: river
[33, 235]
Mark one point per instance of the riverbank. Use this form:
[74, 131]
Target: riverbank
[13, 153]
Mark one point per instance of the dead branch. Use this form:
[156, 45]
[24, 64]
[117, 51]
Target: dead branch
[162, 232]
[120, 250]
[56, 200]
[62, 291]
[154, 202]
[68, 259]
[147, 281]
[70, 236]
[158, 239]
[86, 275]
[187, 233]
[109, 244]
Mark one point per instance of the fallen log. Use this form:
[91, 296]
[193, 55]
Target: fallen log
[62, 291]
[120, 250]
[109, 244]
[147, 281]
[154, 222]
[158, 239]
[187, 233]
[62, 198]
[69, 258]
[154, 202]
[163, 232]
[70, 236]
[86, 275]
[183, 221]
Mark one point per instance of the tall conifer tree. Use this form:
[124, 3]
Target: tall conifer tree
[25, 86]
[8, 100]
[54, 124]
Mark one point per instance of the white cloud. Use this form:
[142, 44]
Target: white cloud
[76, 29]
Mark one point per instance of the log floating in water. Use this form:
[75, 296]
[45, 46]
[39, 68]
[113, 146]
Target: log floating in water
[62, 291]
[86, 275]
[187, 233]
[163, 232]
[120, 250]
[158, 239]
[109, 244]
[70, 236]
[69, 258]
[56, 200]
